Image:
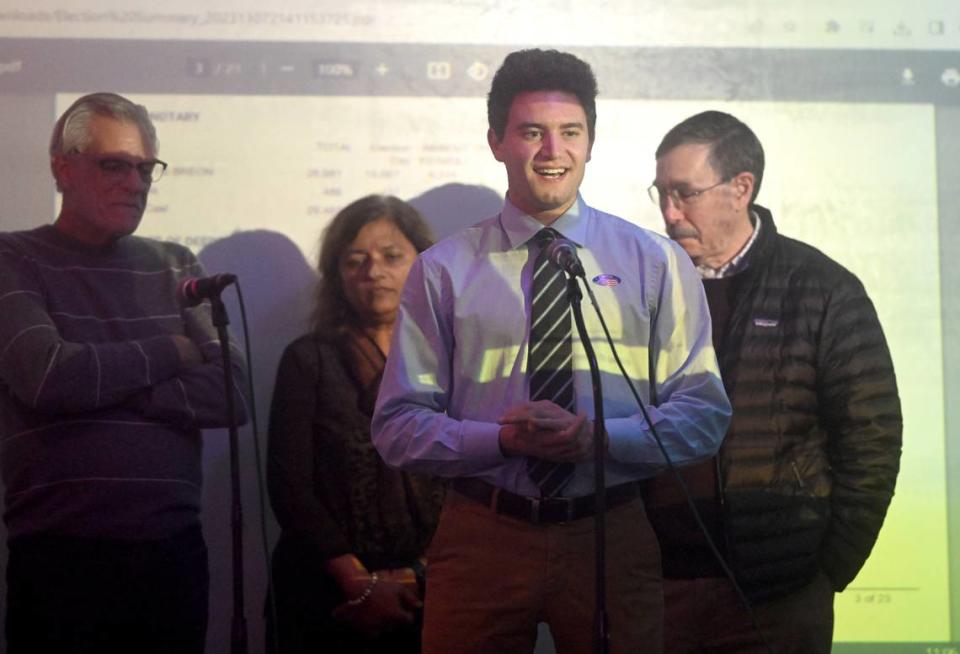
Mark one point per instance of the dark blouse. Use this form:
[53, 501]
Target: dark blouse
[329, 488]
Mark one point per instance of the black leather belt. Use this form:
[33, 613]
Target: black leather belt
[541, 511]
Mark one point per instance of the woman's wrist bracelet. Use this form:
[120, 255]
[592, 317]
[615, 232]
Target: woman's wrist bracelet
[362, 597]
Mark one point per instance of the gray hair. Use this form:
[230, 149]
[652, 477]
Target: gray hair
[72, 131]
[734, 148]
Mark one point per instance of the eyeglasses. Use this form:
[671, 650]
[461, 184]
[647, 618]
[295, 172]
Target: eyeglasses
[680, 196]
[116, 168]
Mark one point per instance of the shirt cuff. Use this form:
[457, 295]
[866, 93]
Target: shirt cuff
[481, 441]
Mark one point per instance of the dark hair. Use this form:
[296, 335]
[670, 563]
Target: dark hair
[540, 70]
[734, 148]
[332, 311]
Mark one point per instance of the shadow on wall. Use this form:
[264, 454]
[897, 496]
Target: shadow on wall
[278, 285]
[454, 207]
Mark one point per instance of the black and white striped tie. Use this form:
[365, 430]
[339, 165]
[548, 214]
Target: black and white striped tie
[550, 356]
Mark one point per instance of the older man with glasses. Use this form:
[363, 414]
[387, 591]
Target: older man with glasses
[797, 494]
[105, 384]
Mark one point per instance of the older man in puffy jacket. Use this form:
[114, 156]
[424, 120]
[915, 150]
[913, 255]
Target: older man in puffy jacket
[796, 496]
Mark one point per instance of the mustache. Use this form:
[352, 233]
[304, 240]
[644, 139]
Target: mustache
[676, 232]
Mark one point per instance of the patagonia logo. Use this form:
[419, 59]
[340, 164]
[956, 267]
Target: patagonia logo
[606, 280]
[765, 322]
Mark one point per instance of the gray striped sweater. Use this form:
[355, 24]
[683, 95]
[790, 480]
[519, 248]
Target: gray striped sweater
[99, 425]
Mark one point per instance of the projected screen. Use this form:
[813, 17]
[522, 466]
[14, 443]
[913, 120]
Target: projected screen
[274, 120]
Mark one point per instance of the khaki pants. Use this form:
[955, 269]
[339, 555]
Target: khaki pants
[491, 579]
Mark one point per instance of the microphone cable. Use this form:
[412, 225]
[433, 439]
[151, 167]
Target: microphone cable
[676, 474]
[261, 492]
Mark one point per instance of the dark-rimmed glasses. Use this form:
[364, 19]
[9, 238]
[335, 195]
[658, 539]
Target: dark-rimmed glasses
[116, 168]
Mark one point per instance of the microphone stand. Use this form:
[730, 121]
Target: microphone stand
[238, 630]
[601, 635]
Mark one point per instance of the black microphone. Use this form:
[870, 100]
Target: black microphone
[563, 253]
[191, 291]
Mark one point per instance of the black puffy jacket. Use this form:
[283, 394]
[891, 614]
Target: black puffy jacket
[808, 467]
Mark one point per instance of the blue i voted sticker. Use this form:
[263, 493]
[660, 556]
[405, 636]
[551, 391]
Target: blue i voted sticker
[606, 279]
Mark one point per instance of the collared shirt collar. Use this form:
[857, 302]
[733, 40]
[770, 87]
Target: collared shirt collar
[739, 262]
[520, 227]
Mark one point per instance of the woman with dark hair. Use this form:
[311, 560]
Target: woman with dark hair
[347, 571]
